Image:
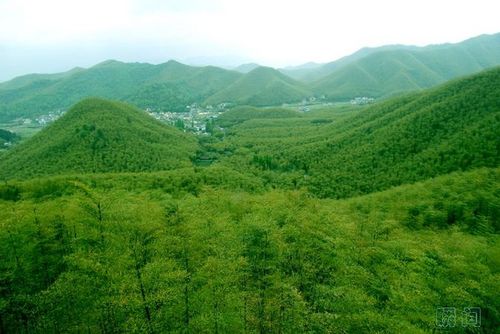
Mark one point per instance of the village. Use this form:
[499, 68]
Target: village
[194, 120]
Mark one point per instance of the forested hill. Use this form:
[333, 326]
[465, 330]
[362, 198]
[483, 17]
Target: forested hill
[170, 86]
[448, 128]
[262, 86]
[453, 127]
[100, 136]
[390, 70]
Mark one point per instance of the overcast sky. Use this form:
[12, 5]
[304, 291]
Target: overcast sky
[46, 36]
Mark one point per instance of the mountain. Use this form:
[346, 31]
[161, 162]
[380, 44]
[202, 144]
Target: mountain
[316, 71]
[97, 136]
[390, 70]
[263, 86]
[31, 78]
[245, 68]
[179, 90]
[169, 86]
[402, 140]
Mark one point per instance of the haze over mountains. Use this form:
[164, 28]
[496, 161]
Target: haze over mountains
[375, 72]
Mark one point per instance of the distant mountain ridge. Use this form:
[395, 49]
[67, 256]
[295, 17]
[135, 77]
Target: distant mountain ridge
[171, 86]
[392, 69]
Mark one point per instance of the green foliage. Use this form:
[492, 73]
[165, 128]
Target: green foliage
[100, 136]
[103, 258]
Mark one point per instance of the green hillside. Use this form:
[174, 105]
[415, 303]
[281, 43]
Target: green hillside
[391, 70]
[169, 86]
[262, 86]
[99, 136]
[365, 149]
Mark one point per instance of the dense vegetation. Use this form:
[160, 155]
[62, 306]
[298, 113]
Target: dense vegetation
[345, 219]
[100, 136]
[132, 253]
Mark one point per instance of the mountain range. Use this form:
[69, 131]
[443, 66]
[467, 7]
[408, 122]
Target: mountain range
[171, 86]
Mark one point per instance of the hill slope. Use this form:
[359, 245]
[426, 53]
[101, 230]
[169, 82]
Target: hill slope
[169, 86]
[391, 70]
[449, 128]
[99, 136]
[262, 86]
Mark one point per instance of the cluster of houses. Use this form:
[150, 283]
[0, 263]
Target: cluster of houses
[49, 118]
[41, 120]
[362, 100]
[194, 120]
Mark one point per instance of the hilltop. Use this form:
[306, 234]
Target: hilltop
[97, 136]
[263, 86]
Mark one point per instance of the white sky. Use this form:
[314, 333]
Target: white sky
[55, 35]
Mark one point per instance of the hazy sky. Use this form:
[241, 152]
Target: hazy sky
[56, 35]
